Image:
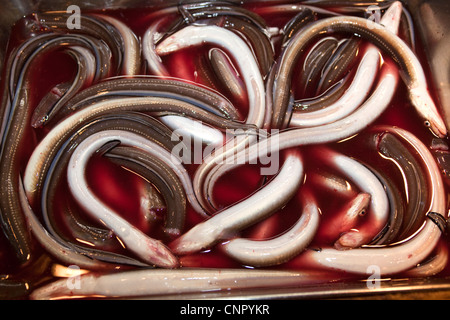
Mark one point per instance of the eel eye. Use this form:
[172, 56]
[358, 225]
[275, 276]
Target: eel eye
[427, 123]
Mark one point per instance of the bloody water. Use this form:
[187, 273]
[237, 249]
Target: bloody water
[121, 189]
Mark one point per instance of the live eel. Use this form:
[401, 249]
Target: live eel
[148, 283]
[60, 94]
[362, 82]
[45, 151]
[405, 254]
[282, 248]
[367, 182]
[415, 182]
[159, 174]
[412, 71]
[150, 250]
[199, 35]
[133, 122]
[204, 181]
[14, 136]
[261, 204]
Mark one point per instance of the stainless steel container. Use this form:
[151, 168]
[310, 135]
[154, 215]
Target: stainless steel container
[432, 19]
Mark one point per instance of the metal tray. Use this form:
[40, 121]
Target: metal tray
[432, 20]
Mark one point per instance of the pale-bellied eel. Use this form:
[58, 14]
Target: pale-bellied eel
[368, 7]
[433, 266]
[331, 182]
[50, 244]
[40, 159]
[367, 182]
[245, 23]
[82, 48]
[131, 64]
[242, 26]
[313, 65]
[341, 129]
[92, 26]
[60, 94]
[370, 10]
[340, 63]
[133, 122]
[397, 208]
[197, 35]
[403, 255]
[160, 175]
[411, 69]
[194, 130]
[258, 206]
[20, 56]
[264, 253]
[298, 22]
[339, 8]
[352, 98]
[323, 100]
[347, 217]
[151, 37]
[83, 232]
[415, 182]
[150, 250]
[147, 283]
[227, 75]
[13, 138]
[256, 38]
[152, 204]
[361, 84]
[198, 95]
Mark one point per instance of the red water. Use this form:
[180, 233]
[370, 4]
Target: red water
[119, 188]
